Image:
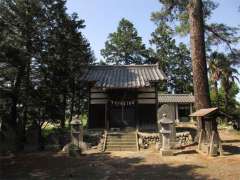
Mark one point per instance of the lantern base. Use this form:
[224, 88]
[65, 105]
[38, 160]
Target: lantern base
[165, 152]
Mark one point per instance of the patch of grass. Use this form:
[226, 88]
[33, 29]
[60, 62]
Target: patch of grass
[50, 128]
[54, 129]
[84, 120]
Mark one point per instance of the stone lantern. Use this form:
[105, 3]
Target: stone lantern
[166, 131]
[76, 132]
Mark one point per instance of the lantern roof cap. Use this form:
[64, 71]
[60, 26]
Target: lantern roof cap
[75, 122]
[165, 120]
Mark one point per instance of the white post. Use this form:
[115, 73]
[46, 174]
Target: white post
[191, 111]
[176, 111]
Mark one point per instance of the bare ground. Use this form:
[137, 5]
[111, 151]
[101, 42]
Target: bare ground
[186, 164]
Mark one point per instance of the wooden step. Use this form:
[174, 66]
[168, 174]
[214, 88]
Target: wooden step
[121, 148]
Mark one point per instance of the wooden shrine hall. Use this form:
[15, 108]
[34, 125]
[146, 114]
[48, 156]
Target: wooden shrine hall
[123, 96]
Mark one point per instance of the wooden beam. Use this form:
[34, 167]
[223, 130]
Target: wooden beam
[106, 108]
[89, 106]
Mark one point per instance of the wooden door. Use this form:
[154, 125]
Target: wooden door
[122, 116]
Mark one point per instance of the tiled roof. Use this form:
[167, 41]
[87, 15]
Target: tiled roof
[176, 98]
[124, 76]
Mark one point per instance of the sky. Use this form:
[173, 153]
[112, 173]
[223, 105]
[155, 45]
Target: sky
[102, 17]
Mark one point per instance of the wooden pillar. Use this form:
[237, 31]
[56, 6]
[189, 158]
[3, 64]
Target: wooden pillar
[106, 116]
[136, 114]
[191, 111]
[156, 101]
[89, 106]
[176, 113]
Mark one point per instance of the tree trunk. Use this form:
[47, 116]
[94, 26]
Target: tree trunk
[13, 123]
[62, 123]
[199, 66]
[40, 139]
[72, 101]
[226, 99]
[216, 93]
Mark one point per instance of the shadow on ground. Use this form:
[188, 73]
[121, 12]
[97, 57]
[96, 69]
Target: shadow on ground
[231, 149]
[51, 165]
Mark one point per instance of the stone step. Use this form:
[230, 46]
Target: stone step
[121, 139]
[122, 136]
[121, 143]
[121, 148]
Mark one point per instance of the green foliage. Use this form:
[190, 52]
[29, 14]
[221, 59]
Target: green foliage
[124, 46]
[174, 60]
[221, 94]
[55, 129]
[84, 120]
[222, 71]
[42, 55]
[177, 11]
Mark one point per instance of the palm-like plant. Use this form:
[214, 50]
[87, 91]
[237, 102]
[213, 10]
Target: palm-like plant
[214, 69]
[222, 67]
[229, 74]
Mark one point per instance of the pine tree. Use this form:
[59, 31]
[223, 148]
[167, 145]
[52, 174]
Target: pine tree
[43, 53]
[125, 45]
[174, 60]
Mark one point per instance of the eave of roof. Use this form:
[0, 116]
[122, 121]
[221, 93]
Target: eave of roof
[176, 98]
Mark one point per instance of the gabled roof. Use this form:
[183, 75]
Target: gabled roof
[123, 76]
[176, 98]
[204, 112]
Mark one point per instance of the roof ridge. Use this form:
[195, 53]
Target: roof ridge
[176, 94]
[129, 65]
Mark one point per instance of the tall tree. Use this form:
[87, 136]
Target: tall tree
[125, 45]
[174, 60]
[223, 68]
[190, 15]
[42, 54]
[20, 24]
[197, 41]
[192, 18]
[214, 69]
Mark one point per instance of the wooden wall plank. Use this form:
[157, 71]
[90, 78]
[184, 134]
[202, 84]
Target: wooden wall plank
[150, 89]
[146, 101]
[97, 90]
[98, 101]
[146, 95]
[98, 95]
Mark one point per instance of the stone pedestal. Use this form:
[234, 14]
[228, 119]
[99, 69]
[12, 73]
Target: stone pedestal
[166, 146]
[166, 129]
[76, 132]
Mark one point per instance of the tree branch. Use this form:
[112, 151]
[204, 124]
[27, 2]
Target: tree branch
[215, 33]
